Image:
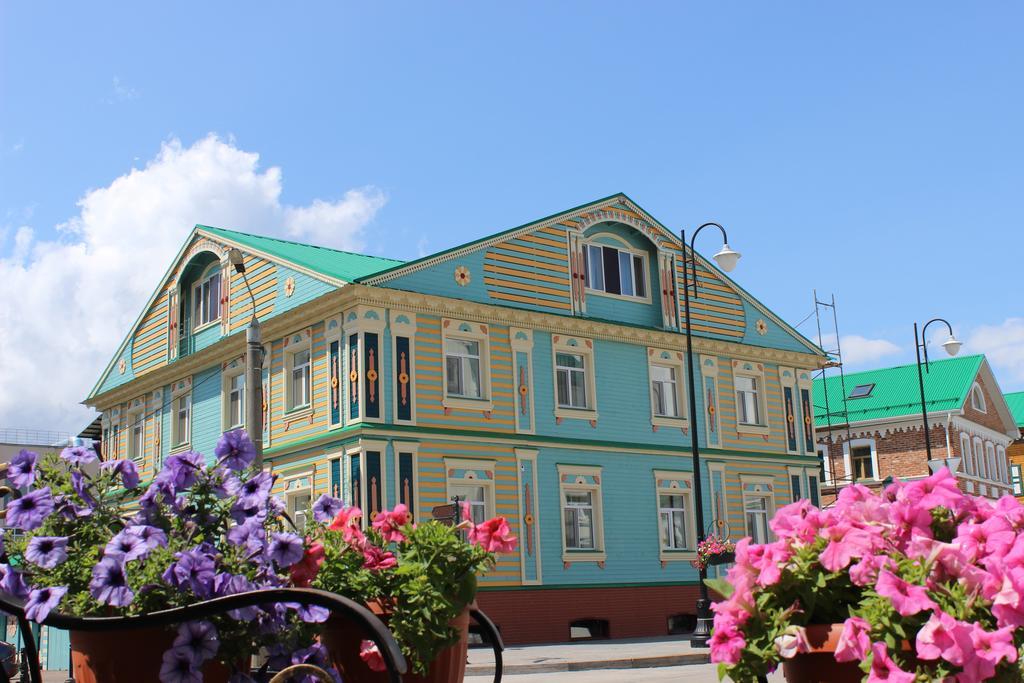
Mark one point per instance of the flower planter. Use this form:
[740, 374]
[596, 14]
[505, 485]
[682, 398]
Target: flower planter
[722, 558]
[819, 665]
[127, 656]
[342, 639]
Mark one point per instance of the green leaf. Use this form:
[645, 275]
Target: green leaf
[720, 586]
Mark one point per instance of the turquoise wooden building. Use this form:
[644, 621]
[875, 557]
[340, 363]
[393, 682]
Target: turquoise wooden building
[538, 372]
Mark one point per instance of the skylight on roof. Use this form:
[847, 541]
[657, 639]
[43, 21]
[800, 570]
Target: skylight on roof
[861, 391]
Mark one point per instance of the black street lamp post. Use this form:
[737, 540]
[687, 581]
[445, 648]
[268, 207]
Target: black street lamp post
[726, 259]
[952, 346]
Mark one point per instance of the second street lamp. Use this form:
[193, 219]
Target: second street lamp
[726, 259]
[952, 346]
[253, 366]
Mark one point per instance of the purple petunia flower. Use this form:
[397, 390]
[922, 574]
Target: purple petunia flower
[192, 569]
[64, 506]
[47, 551]
[29, 511]
[254, 492]
[310, 614]
[178, 667]
[316, 654]
[200, 638]
[151, 536]
[80, 484]
[232, 584]
[109, 584]
[326, 508]
[285, 549]
[235, 450]
[12, 581]
[78, 455]
[127, 545]
[124, 468]
[180, 470]
[22, 470]
[42, 600]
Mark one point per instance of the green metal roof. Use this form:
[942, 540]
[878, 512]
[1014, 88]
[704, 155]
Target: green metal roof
[341, 265]
[1016, 403]
[896, 391]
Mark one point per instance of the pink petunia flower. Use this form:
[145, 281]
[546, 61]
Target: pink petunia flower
[377, 559]
[727, 643]
[907, 598]
[855, 640]
[347, 522]
[944, 637]
[884, 669]
[369, 653]
[989, 649]
[791, 642]
[390, 524]
[494, 536]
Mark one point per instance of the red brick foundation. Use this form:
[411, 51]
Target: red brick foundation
[543, 615]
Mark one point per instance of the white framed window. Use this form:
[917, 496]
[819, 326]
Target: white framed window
[234, 399]
[1003, 464]
[298, 375]
[298, 498]
[181, 420]
[467, 365]
[965, 453]
[860, 457]
[572, 362]
[990, 460]
[677, 532]
[978, 398]
[1016, 480]
[749, 394]
[472, 481]
[826, 465]
[582, 516]
[758, 506]
[616, 270]
[206, 297]
[668, 395]
[137, 439]
[979, 456]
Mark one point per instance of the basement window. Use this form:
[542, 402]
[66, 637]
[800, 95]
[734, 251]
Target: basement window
[861, 391]
[588, 629]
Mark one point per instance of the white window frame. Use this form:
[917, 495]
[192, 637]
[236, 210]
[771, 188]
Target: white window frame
[1018, 475]
[1003, 464]
[769, 496]
[137, 420]
[978, 398]
[569, 478]
[668, 359]
[668, 554]
[210, 272]
[979, 457]
[848, 446]
[758, 375]
[967, 454]
[622, 246]
[290, 352]
[474, 332]
[228, 375]
[823, 452]
[476, 475]
[990, 458]
[580, 347]
[292, 494]
[180, 442]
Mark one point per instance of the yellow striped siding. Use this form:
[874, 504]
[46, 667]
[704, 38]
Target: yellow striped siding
[774, 414]
[494, 268]
[149, 343]
[547, 241]
[718, 303]
[539, 265]
[285, 430]
[531, 269]
[262, 276]
[734, 491]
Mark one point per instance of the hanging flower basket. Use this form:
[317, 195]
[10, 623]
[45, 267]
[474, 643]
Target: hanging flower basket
[713, 551]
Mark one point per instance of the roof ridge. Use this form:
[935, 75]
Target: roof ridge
[957, 359]
[301, 244]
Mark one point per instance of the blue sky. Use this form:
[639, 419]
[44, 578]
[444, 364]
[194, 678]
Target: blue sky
[872, 150]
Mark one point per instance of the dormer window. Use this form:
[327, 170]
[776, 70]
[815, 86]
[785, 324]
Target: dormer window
[206, 297]
[615, 271]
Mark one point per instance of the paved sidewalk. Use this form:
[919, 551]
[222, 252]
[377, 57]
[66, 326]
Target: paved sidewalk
[632, 653]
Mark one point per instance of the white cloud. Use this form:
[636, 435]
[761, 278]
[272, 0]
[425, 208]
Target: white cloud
[69, 301]
[860, 352]
[1003, 345]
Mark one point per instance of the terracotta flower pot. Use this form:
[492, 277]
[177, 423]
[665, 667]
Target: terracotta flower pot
[820, 665]
[127, 657]
[342, 639]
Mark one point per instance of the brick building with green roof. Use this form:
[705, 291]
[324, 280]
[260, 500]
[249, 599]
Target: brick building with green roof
[868, 426]
[1015, 401]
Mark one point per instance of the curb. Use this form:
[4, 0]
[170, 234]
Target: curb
[556, 667]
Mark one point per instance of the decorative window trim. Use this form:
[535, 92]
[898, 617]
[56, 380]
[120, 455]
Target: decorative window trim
[467, 331]
[296, 343]
[407, 330]
[581, 347]
[750, 479]
[1016, 480]
[671, 489]
[521, 341]
[480, 472]
[990, 460]
[645, 257]
[290, 493]
[848, 458]
[136, 414]
[208, 273]
[229, 371]
[1003, 463]
[413, 448]
[336, 385]
[360, 448]
[967, 454]
[569, 480]
[753, 370]
[179, 390]
[529, 540]
[804, 475]
[674, 360]
[979, 458]
[826, 462]
[978, 398]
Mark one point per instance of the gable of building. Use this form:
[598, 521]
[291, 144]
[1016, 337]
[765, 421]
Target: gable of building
[282, 276]
[888, 394]
[544, 266]
[1015, 403]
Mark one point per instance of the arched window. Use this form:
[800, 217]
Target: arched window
[206, 296]
[978, 398]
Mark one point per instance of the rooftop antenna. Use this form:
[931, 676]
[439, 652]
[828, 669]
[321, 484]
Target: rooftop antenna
[834, 361]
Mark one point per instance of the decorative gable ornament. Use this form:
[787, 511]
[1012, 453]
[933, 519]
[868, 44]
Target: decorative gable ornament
[462, 276]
